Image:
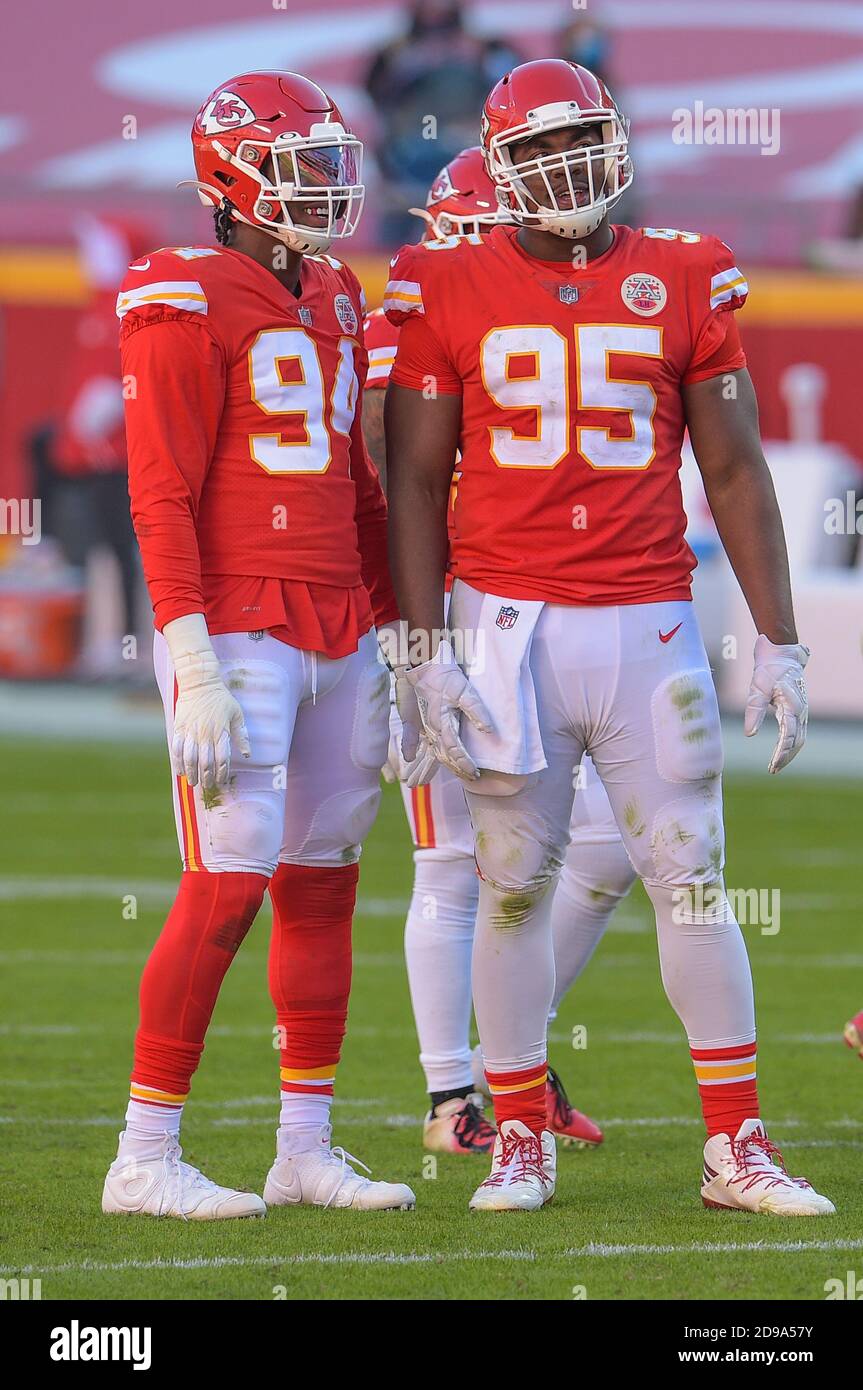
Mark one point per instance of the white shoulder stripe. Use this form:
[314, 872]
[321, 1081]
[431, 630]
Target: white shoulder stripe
[728, 284]
[405, 295]
[179, 294]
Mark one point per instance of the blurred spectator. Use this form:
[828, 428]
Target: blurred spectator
[428, 88]
[587, 43]
[90, 503]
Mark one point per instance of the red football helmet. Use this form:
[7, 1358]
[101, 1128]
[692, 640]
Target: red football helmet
[275, 147]
[580, 185]
[462, 199]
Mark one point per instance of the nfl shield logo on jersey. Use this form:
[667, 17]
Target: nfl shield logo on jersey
[304, 314]
[345, 313]
[568, 294]
[506, 617]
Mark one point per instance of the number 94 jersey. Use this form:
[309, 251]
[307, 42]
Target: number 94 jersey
[572, 410]
[252, 494]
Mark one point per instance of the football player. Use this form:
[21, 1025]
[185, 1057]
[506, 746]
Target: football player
[262, 528]
[596, 872]
[564, 357]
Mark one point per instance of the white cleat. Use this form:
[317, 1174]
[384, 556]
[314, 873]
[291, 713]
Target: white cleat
[523, 1171]
[162, 1185]
[740, 1175]
[322, 1177]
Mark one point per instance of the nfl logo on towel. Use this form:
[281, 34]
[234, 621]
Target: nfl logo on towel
[568, 294]
[506, 617]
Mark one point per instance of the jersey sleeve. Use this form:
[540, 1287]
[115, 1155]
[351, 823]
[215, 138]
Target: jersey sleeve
[411, 303]
[382, 338]
[174, 374]
[719, 289]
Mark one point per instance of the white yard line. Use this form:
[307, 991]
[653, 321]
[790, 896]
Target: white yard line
[595, 1250]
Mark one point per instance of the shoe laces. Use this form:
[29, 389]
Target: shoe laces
[562, 1107]
[520, 1159]
[760, 1161]
[471, 1126]
[186, 1176]
[344, 1160]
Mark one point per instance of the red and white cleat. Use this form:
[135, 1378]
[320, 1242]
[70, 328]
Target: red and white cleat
[459, 1127]
[522, 1173]
[740, 1174]
[569, 1125]
[854, 1034]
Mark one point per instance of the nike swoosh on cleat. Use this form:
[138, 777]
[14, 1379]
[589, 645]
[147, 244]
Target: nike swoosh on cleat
[145, 266]
[667, 636]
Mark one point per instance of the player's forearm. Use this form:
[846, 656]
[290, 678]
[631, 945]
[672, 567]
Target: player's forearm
[418, 558]
[373, 431]
[749, 523]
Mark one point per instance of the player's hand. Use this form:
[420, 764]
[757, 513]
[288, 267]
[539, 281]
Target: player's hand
[444, 694]
[208, 721]
[777, 682]
[410, 758]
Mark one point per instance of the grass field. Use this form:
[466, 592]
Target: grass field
[85, 826]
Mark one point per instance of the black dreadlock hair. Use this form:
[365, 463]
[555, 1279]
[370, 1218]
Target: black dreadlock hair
[222, 216]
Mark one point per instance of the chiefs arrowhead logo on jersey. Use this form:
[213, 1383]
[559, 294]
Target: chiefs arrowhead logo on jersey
[225, 112]
[346, 313]
[441, 188]
[644, 294]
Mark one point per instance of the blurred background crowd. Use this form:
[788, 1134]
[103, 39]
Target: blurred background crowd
[93, 152]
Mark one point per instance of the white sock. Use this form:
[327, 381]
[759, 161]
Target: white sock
[301, 1119]
[513, 978]
[594, 879]
[438, 945]
[704, 963]
[146, 1127]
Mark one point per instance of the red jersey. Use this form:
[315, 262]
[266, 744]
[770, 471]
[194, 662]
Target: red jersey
[381, 339]
[253, 496]
[572, 411]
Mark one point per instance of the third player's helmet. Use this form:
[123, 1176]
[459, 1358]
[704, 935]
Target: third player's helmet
[275, 147]
[546, 95]
[462, 200]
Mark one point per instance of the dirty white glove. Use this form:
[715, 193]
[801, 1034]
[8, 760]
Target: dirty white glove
[208, 720]
[443, 694]
[422, 768]
[777, 682]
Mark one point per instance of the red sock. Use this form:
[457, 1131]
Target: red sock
[520, 1095]
[181, 980]
[310, 971]
[727, 1086]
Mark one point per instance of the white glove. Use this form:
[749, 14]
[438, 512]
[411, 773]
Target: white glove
[778, 681]
[406, 731]
[443, 695]
[207, 717]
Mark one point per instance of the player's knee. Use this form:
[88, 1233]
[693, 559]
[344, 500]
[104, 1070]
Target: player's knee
[518, 852]
[687, 844]
[686, 727]
[338, 828]
[245, 832]
[598, 873]
[371, 731]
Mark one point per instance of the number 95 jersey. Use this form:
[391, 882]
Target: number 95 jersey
[572, 410]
